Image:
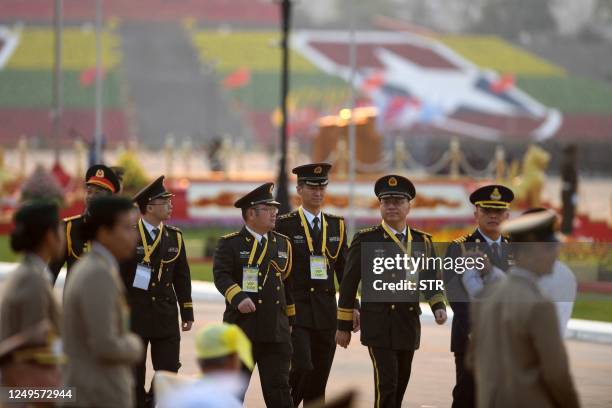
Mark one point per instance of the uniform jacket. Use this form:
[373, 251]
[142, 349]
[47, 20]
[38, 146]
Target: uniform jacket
[75, 245]
[518, 355]
[273, 299]
[28, 299]
[383, 324]
[456, 293]
[315, 299]
[97, 340]
[154, 312]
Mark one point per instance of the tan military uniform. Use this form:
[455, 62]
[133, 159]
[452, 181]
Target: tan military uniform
[100, 348]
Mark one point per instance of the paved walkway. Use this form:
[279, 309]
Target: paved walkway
[432, 371]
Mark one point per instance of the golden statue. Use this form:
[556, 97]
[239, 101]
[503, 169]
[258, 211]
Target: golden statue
[529, 183]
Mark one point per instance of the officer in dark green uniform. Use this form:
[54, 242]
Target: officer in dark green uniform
[156, 281]
[390, 330]
[99, 181]
[319, 251]
[491, 204]
[252, 270]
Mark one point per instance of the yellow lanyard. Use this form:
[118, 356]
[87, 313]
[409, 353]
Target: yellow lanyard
[407, 250]
[307, 232]
[254, 249]
[148, 250]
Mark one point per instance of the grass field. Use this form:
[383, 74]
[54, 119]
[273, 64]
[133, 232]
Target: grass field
[588, 306]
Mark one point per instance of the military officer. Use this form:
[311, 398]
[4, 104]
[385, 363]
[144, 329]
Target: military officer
[491, 204]
[390, 330]
[157, 280]
[99, 181]
[252, 270]
[319, 250]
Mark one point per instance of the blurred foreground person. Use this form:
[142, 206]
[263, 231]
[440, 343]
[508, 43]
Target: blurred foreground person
[517, 352]
[29, 300]
[221, 349]
[99, 181]
[100, 348]
[560, 286]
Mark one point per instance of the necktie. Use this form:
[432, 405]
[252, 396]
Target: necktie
[315, 227]
[495, 250]
[262, 242]
[154, 233]
[400, 237]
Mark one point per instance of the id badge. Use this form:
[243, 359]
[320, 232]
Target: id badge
[318, 267]
[142, 277]
[249, 279]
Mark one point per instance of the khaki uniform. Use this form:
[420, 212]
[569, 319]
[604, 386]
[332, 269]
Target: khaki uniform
[100, 348]
[518, 355]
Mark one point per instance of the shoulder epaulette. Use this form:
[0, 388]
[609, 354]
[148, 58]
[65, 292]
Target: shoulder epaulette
[369, 229]
[286, 215]
[421, 232]
[334, 216]
[462, 239]
[74, 217]
[230, 235]
[280, 235]
[173, 228]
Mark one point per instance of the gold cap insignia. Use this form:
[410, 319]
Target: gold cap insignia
[318, 170]
[100, 173]
[496, 195]
[392, 182]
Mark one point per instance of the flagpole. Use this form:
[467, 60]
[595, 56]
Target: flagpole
[98, 108]
[57, 79]
[282, 193]
[351, 129]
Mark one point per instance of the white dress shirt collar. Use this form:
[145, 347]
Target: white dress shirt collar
[489, 240]
[310, 217]
[397, 232]
[150, 228]
[255, 234]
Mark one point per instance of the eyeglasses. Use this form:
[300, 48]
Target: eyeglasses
[268, 209]
[165, 201]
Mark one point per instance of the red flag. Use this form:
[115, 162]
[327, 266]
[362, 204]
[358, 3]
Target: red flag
[373, 82]
[505, 82]
[88, 76]
[237, 79]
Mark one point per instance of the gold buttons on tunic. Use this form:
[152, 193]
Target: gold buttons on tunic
[393, 307]
[260, 301]
[312, 289]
